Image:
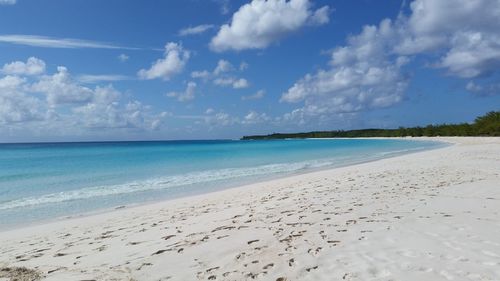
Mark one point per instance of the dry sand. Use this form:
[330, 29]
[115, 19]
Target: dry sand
[431, 215]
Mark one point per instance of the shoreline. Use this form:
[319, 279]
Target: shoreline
[418, 216]
[268, 178]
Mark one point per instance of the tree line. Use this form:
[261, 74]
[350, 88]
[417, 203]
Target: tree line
[486, 125]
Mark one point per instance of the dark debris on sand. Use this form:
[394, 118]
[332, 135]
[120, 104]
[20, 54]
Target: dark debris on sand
[20, 274]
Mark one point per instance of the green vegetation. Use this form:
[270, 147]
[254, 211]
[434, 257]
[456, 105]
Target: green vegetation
[487, 125]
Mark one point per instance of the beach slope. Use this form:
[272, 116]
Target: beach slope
[432, 215]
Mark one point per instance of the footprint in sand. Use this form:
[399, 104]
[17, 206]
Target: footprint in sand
[490, 254]
[268, 266]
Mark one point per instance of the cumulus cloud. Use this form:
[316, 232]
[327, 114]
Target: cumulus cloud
[362, 76]
[8, 2]
[187, 95]
[173, 62]
[223, 66]
[236, 83]
[222, 75]
[472, 54]
[61, 106]
[106, 110]
[203, 74]
[194, 30]
[368, 71]
[220, 119]
[110, 115]
[260, 23]
[123, 57]
[33, 66]
[60, 88]
[255, 118]
[214, 118]
[15, 105]
[11, 82]
[469, 44]
[18, 107]
[240, 83]
[258, 95]
[483, 90]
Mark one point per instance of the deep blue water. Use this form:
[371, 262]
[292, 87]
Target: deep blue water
[44, 181]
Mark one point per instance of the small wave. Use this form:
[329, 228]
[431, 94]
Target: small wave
[164, 183]
[402, 151]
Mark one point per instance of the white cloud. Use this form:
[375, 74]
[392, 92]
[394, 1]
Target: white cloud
[51, 42]
[220, 119]
[255, 118]
[33, 66]
[174, 60]
[473, 54]
[8, 2]
[221, 75]
[240, 83]
[224, 6]
[15, 105]
[260, 23]
[223, 66]
[159, 119]
[214, 118]
[105, 110]
[363, 75]
[321, 16]
[195, 29]
[11, 82]
[258, 95]
[224, 81]
[473, 87]
[123, 57]
[368, 72]
[483, 90]
[66, 108]
[464, 33]
[111, 115]
[59, 88]
[310, 116]
[16, 108]
[92, 78]
[244, 66]
[204, 74]
[236, 83]
[187, 95]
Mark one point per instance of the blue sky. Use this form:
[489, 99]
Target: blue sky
[134, 70]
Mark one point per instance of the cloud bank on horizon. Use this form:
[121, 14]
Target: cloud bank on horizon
[230, 77]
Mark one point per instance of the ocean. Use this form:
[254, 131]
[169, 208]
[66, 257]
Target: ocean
[45, 181]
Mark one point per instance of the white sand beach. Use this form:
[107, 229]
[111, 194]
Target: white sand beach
[432, 215]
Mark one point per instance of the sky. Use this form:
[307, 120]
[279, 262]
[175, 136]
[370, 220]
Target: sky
[93, 70]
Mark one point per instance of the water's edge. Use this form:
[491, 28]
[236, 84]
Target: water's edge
[441, 144]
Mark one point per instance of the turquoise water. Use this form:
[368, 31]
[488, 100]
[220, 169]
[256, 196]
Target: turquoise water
[44, 181]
